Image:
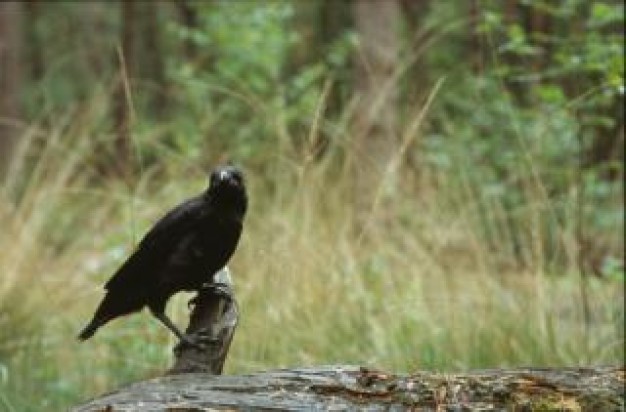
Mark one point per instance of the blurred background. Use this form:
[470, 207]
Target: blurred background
[433, 184]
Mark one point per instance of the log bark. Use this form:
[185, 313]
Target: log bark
[354, 388]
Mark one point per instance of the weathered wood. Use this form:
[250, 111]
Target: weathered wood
[354, 388]
[212, 323]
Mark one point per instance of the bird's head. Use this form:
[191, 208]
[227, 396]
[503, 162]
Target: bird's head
[226, 177]
[227, 188]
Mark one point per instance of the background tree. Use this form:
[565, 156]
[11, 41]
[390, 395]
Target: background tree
[10, 79]
[375, 135]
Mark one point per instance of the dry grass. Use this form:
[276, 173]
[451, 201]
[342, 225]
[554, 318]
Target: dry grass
[421, 290]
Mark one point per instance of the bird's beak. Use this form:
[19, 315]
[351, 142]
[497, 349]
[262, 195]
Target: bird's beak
[223, 175]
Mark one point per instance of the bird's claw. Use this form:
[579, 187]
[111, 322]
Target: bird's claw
[192, 342]
[205, 336]
[199, 340]
[221, 290]
[218, 289]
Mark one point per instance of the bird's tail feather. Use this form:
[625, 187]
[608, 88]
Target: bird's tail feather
[89, 330]
[113, 305]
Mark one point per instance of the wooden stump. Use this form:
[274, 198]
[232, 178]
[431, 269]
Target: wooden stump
[213, 321]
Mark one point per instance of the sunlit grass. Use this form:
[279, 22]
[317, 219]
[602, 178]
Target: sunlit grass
[420, 290]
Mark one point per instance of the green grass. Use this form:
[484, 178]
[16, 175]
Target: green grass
[421, 290]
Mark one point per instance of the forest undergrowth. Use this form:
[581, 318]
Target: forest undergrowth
[425, 287]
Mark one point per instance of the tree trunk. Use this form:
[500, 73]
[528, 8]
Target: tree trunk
[334, 19]
[415, 89]
[541, 35]
[475, 39]
[189, 17]
[10, 79]
[374, 140]
[607, 149]
[153, 66]
[353, 388]
[94, 24]
[34, 48]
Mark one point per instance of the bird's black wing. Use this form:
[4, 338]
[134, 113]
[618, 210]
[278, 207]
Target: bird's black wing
[156, 246]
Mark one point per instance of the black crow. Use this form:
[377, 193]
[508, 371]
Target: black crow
[181, 252]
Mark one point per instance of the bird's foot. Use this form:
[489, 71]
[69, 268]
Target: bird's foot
[221, 290]
[191, 341]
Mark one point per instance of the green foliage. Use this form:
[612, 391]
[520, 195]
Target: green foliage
[534, 114]
[581, 51]
[238, 78]
[67, 70]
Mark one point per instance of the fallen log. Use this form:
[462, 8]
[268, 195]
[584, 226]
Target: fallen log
[358, 388]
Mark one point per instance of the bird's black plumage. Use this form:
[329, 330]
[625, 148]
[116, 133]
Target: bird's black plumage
[181, 252]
